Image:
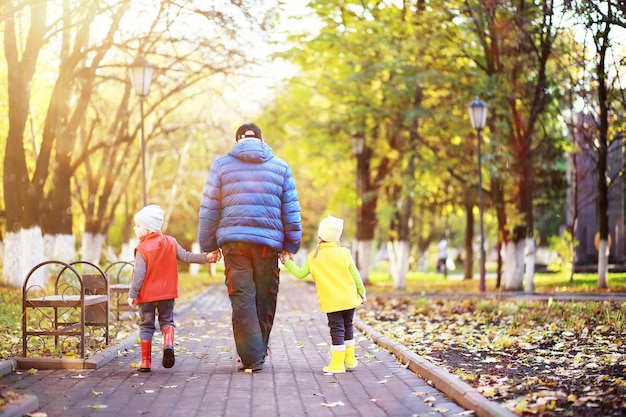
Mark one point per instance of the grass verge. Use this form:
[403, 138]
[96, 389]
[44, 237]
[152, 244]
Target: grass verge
[380, 281]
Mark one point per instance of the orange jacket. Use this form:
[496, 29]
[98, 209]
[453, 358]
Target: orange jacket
[161, 280]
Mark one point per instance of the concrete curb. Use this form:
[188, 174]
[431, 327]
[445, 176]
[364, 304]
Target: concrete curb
[460, 392]
[7, 366]
[25, 404]
[95, 362]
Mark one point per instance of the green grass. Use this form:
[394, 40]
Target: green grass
[380, 280]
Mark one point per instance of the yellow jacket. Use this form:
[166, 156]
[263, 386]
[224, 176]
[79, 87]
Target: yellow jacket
[337, 280]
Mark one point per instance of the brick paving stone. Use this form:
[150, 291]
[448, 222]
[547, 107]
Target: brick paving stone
[205, 381]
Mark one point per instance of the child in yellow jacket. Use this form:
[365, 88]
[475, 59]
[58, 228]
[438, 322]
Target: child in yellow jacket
[339, 288]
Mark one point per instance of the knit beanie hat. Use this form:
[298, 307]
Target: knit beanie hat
[150, 218]
[248, 130]
[330, 229]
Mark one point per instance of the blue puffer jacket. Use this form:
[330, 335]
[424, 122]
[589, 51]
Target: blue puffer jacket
[250, 196]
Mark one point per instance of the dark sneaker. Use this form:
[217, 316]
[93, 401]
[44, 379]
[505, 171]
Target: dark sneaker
[255, 367]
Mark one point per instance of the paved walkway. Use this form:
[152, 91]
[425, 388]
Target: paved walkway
[205, 381]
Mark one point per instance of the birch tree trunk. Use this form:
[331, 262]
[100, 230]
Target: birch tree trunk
[513, 266]
[398, 262]
[529, 283]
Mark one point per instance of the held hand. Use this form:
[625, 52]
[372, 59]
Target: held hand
[363, 297]
[284, 255]
[213, 257]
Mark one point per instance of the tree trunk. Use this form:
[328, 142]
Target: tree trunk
[497, 196]
[399, 244]
[23, 250]
[366, 213]
[60, 247]
[529, 284]
[24, 243]
[364, 250]
[513, 266]
[571, 222]
[91, 247]
[398, 262]
[525, 234]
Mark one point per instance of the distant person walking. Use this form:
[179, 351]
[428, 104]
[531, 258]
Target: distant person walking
[154, 284]
[442, 256]
[250, 210]
[339, 288]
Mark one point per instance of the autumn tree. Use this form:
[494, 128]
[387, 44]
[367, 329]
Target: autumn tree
[21, 204]
[517, 41]
[604, 24]
[84, 156]
[402, 96]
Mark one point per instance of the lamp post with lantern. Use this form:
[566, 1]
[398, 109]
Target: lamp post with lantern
[478, 118]
[141, 72]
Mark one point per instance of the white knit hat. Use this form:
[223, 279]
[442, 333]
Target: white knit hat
[150, 218]
[330, 229]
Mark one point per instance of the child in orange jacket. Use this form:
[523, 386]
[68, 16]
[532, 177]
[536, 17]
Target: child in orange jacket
[154, 284]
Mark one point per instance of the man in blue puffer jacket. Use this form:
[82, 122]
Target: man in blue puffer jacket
[250, 211]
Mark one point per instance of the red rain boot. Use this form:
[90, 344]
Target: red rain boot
[168, 347]
[146, 356]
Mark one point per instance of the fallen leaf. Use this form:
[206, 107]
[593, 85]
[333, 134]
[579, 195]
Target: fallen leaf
[331, 405]
[97, 406]
[516, 352]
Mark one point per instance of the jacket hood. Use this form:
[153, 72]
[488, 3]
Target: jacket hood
[252, 151]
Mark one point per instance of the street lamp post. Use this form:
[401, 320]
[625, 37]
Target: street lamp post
[358, 143]
[141, 77]
[478, 118]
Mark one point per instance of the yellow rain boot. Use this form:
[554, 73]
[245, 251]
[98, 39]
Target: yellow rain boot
[351, 361]
[337, 358]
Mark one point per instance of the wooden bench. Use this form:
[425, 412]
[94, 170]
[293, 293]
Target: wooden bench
[80, 303]
[120, 274]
